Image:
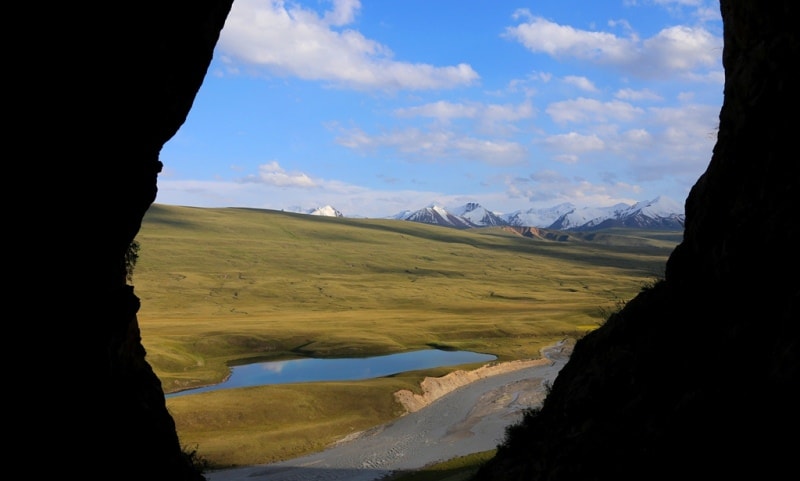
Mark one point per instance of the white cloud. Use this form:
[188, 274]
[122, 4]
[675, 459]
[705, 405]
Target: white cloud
[635, 95]
[543, 36]
[291, 40]
[344, 12]
[273, 174]
[567, 158]
[676, 143]
[584, 109]
[687, 137]
[547, 188]
[702, 10]
[441, 110]
[508, 112]
[491, 118]
[639, 137]
[708, 14]
[549, 177]
[582, 83]
[574, 143]
[674, 50]
[435, 146]
[683, 48]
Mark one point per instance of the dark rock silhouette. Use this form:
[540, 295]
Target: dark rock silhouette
[97, 89]
[695, 377]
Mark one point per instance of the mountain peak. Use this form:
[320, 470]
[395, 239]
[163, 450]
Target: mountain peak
[325, 211]
[659, 213]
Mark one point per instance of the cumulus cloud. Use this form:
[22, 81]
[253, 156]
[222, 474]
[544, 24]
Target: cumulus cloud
[639, 137]
[436, 146]
[682, 48]
[273, 174]
[567, 158]
[582, 83]
[547, 188]
[508, 112]
[573, 143]
[282, 39]
[677, 50]
[584, 109]
[543, 36]
[441, 110]
[344, 12]
[637, 95]
[489, 118]
[676, 142]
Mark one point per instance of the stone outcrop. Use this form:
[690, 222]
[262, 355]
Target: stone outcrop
[435, 387]
[696, 378]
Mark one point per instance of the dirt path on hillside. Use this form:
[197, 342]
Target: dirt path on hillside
[463, 414]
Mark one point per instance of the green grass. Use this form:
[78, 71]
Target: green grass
[462, 468]
[227, 286]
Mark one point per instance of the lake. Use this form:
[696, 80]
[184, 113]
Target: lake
[343, 369]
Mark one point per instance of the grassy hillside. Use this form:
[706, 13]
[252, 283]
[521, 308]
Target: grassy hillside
[226, 286]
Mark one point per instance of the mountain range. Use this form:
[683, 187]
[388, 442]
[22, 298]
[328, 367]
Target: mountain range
[660, 213]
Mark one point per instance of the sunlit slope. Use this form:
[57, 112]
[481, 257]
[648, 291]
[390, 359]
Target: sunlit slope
[221, 285]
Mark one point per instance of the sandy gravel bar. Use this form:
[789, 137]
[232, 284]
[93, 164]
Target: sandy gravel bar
[465, 414]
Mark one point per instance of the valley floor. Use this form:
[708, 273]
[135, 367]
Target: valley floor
[472, 418]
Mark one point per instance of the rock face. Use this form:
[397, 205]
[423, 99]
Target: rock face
[97, 89]
[694, 378]
[435, 387]
[697, 377]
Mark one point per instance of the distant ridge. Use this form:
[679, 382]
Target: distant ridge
[437, 215]
[661, 213]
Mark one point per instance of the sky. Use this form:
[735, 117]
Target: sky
[375, 107]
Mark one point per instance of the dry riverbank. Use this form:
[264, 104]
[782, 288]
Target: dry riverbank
[462, 413]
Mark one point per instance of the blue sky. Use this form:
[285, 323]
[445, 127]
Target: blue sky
[380, 106]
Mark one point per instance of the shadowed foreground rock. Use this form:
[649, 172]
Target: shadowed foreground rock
[697, 377]
[94, 90]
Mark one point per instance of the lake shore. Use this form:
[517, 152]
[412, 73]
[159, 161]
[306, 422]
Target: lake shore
[459, 414]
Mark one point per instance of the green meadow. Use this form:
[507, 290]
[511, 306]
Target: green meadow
[221, 287]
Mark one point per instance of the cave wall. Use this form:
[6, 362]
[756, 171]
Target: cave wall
[95, 89]
[696, 377]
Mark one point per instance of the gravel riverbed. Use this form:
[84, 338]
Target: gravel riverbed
[469, 419]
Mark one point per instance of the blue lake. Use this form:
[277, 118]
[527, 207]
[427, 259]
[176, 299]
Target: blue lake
[346, 369]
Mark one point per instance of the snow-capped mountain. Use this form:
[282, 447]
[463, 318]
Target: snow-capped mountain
[466, 216]
[326, 211]
[477, 215]
[437, 215]
[659, 213]
[538, 217]
[587, 217]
